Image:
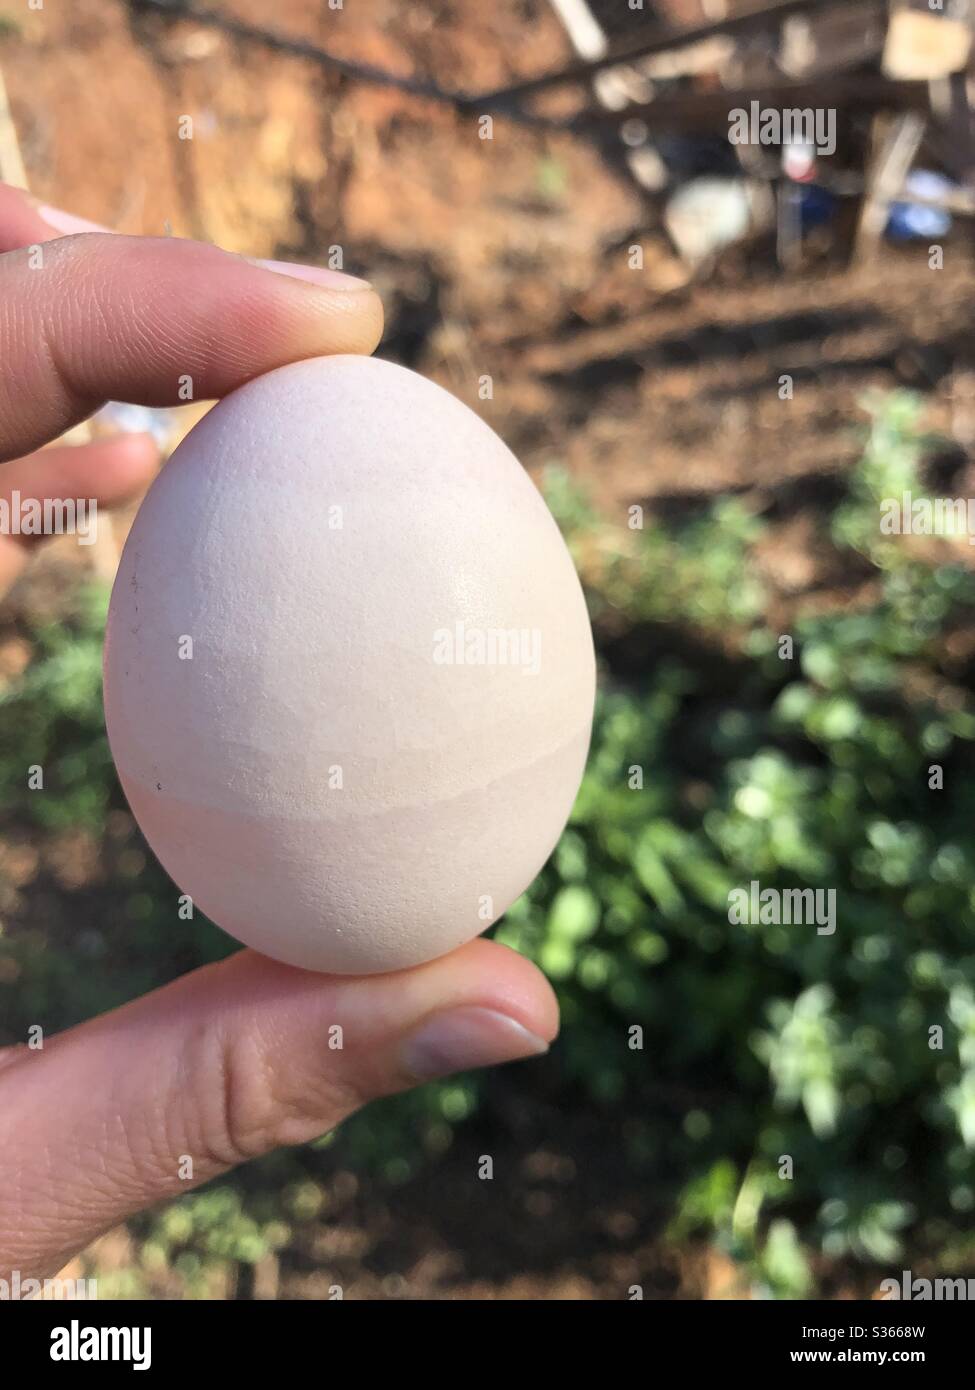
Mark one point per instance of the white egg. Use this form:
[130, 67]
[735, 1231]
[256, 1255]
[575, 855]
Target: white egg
[349, 674]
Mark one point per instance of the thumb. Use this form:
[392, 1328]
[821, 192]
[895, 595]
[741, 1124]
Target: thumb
[228, 1063]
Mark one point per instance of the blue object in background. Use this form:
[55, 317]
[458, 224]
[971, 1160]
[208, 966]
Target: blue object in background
[816, 205]
[910, 220]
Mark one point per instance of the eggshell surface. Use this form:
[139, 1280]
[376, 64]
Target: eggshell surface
[349, 673]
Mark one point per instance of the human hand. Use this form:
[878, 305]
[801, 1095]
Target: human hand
[234, 1059]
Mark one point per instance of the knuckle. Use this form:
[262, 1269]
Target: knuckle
[226, 1107]
[239, 1104]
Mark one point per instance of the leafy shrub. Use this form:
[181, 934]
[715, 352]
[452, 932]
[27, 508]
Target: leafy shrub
[812, 772]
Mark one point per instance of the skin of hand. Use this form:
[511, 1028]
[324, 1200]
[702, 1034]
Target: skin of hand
[238, 1058]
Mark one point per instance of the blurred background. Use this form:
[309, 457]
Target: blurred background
[717, 362]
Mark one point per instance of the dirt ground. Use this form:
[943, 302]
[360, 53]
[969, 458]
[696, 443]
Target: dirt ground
[505, 258]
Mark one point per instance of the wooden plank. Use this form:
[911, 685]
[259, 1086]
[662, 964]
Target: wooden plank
[834, 41]
[961, 129]
[924, 45]
[788, 231]
[709, 111]
[896, 144]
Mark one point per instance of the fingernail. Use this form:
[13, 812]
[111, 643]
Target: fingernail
[315, 274]
[466, 1038]
[66, 223]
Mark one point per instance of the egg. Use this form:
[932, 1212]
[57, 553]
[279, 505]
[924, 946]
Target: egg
[349, 673]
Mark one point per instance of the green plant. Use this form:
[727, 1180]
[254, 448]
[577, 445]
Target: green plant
[849, 768]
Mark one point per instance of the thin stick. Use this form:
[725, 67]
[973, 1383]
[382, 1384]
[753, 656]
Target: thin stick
[301, 48]
[505, 99]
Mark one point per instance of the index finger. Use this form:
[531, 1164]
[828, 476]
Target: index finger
[156, 321]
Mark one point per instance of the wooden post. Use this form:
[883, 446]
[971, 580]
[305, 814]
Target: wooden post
[894, 146]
